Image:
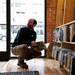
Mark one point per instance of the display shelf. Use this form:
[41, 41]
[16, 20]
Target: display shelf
[69, 23]
[68, 45]
[69, 42]
[63, 42]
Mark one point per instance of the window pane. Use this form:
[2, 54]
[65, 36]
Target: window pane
[2, 25]
[22, 11]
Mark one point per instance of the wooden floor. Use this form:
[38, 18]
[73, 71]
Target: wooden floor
[44, 66]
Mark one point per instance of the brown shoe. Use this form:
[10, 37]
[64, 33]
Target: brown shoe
[23, 65]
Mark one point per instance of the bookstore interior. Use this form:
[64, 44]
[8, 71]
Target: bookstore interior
[56, 27]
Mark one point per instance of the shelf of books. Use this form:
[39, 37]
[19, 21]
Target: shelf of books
[64, 46]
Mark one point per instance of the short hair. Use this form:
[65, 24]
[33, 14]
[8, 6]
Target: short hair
[35, 22]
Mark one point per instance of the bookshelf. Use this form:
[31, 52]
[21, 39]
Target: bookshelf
[65, 44]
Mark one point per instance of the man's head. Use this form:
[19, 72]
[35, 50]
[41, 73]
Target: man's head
[31, 23]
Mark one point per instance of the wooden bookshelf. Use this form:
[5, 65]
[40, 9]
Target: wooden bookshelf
[66, 40]
[66, 24]
[69, 45]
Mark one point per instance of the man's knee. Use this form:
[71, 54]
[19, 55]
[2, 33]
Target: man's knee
[20, 49]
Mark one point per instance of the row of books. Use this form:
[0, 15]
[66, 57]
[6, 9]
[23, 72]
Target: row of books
[66, 33]
[66, 58]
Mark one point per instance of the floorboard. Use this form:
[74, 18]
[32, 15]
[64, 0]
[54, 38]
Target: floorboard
[44, 66]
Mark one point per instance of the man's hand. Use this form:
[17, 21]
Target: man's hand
[33, 43]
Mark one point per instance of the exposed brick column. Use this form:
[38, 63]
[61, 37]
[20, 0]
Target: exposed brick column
[50, 23]
[50, 18]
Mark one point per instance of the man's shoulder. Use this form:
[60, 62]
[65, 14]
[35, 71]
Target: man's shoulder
[23, 28]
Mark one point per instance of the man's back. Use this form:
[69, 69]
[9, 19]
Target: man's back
[24, 36]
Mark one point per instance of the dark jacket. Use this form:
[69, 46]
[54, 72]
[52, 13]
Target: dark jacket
[24, 36]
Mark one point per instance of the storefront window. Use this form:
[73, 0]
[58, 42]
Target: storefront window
[22, 11]
[2, 25]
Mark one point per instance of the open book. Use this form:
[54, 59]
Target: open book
[40, 46]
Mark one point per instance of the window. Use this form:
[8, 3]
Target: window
[2, 25]
[22, 11]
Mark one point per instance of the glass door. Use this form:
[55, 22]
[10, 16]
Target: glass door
[3, 31]
[21, 11]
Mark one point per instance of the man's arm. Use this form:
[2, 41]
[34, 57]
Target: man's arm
[17, 39]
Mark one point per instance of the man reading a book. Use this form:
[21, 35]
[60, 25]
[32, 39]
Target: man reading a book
[24, 44]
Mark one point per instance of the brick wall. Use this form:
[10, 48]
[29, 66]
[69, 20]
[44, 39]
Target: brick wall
[50, 18]
[57, 13]
[50, 23]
